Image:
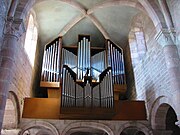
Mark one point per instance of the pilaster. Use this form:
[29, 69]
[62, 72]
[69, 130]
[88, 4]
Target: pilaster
[167, 39]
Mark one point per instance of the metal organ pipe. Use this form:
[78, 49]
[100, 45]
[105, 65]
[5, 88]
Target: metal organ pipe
[115, 60]
[68, 88]
[83, 57]
[50, 69]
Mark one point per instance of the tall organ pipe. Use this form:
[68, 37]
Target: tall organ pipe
[115, 60]
[50, 66]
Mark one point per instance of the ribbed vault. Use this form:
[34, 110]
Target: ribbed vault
[111, 18]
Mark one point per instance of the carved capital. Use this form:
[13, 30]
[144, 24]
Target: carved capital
[177, 123]
[166, 37]
[14, 27]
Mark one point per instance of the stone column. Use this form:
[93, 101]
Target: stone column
[8, 51]
[167, 41]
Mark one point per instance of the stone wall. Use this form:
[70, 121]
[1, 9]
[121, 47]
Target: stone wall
[22, 75]
[151, 78]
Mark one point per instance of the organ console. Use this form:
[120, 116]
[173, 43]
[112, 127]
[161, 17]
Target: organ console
[87, 79]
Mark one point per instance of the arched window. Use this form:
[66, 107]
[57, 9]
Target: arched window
[31, 39]
[140, 40]
[137, 45]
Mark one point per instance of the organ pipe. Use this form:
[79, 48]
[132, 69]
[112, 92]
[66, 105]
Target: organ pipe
[116, 61]
[83, 57]
[51, 60]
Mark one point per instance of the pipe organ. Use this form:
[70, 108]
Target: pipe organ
[87, 75]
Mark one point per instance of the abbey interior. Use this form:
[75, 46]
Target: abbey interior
[90, 67]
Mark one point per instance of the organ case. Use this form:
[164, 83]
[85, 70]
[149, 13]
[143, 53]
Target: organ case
[87, 78]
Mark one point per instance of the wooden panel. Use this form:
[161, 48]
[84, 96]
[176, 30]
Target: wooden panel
[50, 84]
[49, 108]
[54, 93]
[124, 110]
[130, 110]
[41, 108]
[86, 113]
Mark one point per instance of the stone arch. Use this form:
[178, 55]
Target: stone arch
[140, 126]
[40, 124]
[154, 13]
[13, 100]
[16, 103]
[94, 125]
[161, 104]
[44, 132]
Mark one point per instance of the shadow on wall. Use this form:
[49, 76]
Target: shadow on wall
[149, 95]
[131, 90]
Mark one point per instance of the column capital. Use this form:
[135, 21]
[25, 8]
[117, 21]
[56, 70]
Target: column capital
[177, 123]
[166, 37]
[14, 27]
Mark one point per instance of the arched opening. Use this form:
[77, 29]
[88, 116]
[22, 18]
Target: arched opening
[10, 119]
[171, 118]
[132, 131]
[37, 131]
[86, 131]
[87, 128]
[166, 118]
[39, 128]
[11, 115]
[139, 36]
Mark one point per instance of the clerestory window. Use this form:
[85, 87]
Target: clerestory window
[31, 39]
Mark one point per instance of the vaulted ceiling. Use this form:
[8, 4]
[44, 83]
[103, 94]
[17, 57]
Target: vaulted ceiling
[102, 19]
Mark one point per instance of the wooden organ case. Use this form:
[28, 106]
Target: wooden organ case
[86, 79]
